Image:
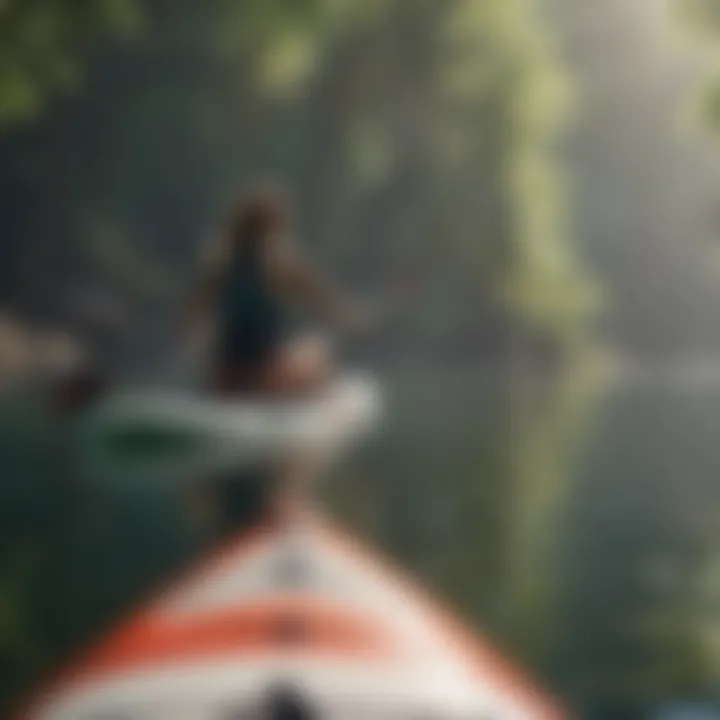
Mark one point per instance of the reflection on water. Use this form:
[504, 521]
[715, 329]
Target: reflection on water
[600, 568]
[632, 614]
[643, 567]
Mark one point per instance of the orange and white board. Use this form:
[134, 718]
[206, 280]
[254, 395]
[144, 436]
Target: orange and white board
[309, 609]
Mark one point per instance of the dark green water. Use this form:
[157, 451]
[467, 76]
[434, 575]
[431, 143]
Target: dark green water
[634, 536]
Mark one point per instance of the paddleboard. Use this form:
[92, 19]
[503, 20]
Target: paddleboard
[309, 610]
[150, 435]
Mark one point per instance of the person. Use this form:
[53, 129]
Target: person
[249, 285]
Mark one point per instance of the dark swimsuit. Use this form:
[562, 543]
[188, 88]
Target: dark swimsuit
[251, 329]
[252, 326]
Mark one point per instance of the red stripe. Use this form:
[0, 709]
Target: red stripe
[488, 662]
[290, 625]
[279, 625]
[237, 549]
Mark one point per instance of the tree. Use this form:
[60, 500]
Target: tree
[45, 44]
[702, 18]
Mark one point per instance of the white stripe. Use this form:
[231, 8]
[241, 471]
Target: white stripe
[205, 692]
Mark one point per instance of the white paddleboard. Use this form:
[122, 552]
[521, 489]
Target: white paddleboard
[315, 612]
[166, 435]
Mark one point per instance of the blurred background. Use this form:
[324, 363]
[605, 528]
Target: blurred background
[529, 187]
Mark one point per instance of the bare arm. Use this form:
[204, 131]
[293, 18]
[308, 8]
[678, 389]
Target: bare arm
[306, 284]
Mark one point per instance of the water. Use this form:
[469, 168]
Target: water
[593, 557]
[628, 611]
[643, 563]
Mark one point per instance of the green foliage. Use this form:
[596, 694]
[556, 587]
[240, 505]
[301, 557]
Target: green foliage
[710, 104]
[22, 650]
[701, 16]
[702, 19]
[430, 129]
[44, 44]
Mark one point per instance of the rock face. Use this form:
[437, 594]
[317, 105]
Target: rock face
[27, 352]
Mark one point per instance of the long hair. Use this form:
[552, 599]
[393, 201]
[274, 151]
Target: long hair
[256, 219]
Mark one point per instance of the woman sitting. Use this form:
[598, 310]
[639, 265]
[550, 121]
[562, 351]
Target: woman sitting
[248, 287]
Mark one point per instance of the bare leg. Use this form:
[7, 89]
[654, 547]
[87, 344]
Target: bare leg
[299, 473]
[303, 365]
